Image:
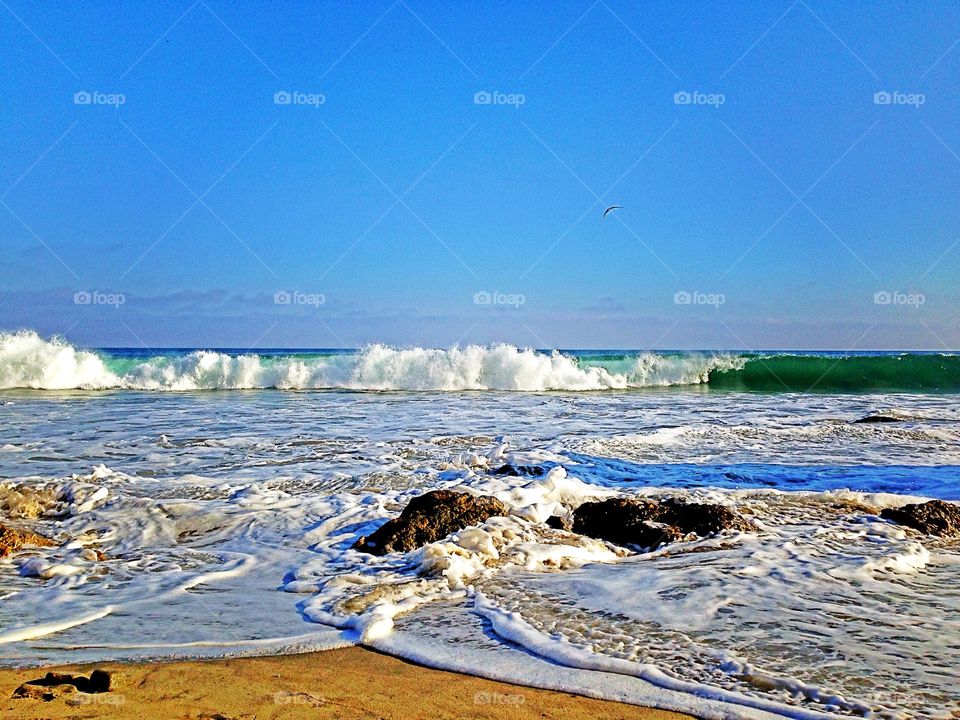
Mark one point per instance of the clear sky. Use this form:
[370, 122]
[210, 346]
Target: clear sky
[434, 156]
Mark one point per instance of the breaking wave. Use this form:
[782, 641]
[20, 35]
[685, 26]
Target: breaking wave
[30, 361]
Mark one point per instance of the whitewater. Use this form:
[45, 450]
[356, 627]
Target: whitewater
[205, 505]
[30, 361]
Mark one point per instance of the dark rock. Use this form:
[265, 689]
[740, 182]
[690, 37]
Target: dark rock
[12, 539]
[933, 518]
[650, 524]
[428, 518]
[877, 419]
[559, 523]
[99, 682]
[520, 470]
[703, 518]
[623, 521]
[53, 685]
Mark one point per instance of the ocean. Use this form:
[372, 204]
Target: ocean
[223, 489]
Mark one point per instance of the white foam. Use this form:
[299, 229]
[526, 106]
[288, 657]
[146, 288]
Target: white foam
[828, 607]
[368, 603]
[513, 628]
[31, 632]
[29, 361]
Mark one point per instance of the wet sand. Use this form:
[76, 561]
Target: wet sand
[337, 684]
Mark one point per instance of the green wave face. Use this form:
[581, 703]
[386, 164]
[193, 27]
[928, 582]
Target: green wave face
[859, 373]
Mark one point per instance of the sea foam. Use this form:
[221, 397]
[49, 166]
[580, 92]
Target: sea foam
[29, 361]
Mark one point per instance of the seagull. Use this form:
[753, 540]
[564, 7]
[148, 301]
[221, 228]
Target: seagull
[610, 209]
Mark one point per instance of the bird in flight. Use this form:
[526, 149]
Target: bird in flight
[610, 209]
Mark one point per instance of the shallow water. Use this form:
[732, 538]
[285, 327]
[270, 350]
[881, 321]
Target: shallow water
[226, 520]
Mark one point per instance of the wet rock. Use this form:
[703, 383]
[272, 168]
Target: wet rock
[933, 518]
[622, 521]
[25, 502]
[877, 418]
[854, 505]
[54, 685]
[649, 524]
[428, 518]
[520, 470]
[702, 518]
[559, 523]
[12, 539]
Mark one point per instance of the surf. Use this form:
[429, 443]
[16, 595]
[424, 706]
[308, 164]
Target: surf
[28, 361]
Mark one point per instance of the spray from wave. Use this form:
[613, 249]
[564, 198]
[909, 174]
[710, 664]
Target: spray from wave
[29, 361]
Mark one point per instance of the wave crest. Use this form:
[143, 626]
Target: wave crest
[29, 361]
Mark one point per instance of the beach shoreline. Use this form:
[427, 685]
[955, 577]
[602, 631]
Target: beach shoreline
[699, 553]
[345, 683]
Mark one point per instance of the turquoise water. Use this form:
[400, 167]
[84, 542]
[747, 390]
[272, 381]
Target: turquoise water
[770, 371]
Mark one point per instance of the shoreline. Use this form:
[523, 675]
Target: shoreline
[344, 683]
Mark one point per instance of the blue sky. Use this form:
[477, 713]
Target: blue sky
[787, 205]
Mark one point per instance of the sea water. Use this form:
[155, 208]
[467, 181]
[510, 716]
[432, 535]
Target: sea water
[224, 489]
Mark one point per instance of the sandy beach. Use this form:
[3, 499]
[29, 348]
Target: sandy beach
[429, 359]
[348, 683]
